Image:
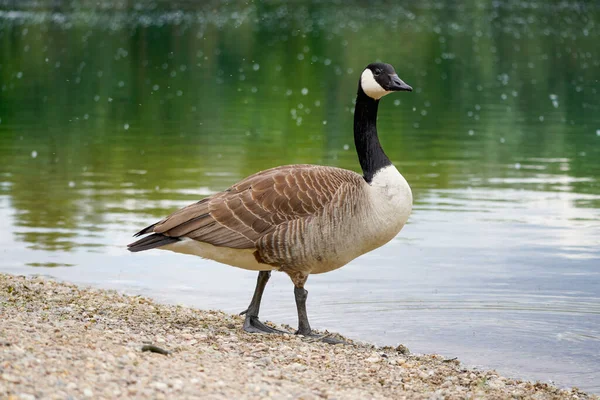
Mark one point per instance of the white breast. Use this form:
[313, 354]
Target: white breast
[391, 204]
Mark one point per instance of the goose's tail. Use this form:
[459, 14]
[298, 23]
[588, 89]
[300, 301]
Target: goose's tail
[151, 242]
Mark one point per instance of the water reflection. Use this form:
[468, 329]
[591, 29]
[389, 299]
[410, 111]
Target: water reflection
[112, 115]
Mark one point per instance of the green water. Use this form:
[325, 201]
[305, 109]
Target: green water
[113, 114]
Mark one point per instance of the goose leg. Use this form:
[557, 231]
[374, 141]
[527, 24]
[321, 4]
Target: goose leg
[252, 324]
[303, 326]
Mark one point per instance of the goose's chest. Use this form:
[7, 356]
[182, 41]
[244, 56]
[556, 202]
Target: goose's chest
[390, 204]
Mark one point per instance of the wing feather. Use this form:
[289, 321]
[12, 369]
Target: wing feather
[258, 205]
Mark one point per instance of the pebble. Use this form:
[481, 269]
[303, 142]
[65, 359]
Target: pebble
[373, 359]
[159, 385]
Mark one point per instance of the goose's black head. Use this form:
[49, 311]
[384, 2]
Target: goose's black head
[379, 79]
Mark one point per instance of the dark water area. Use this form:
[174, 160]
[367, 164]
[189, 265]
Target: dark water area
[113, 114]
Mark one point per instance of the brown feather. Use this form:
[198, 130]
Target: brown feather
[265, 210]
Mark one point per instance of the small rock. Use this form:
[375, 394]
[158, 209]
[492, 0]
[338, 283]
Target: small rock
[11, 378]
[374, 358]
[263, 362]
[177, 384]
[298, 367]
[259, 347]
[496, 384]
[87, 392]
[159, 386]
[402, 349]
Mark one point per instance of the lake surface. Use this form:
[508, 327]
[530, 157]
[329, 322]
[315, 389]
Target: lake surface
[112, 115]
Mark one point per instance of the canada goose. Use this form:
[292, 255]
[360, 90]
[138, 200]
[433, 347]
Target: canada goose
[298, 219]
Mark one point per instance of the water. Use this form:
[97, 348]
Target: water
[114, 114]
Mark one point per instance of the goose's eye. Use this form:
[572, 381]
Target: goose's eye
[377, 72]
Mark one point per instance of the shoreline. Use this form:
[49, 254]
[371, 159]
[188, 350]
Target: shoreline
[59, 340]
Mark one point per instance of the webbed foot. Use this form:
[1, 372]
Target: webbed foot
[254, 325]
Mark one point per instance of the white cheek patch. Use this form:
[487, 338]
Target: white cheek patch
[370, 86]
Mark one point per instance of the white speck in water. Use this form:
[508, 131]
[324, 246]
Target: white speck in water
[423, 112]
[300, 57]
[19, 75]
[157, 188]
[121, 83]
[71, 184]
[256, 67]
[346, 147]
[327, 61]
[126, 126]
[541, 118]
[502, 140]
[179, 93]
[503, 96]
[324, 122]
[396, 102]
[155, 87]
[471, 132]
[96, 98]
[288, 92]
[597, 132]
[414, 109]
[317, 103]
[304, 91]
[518, 166]
[85, 116]
[254, 89]
[34, 154]
[110, 99]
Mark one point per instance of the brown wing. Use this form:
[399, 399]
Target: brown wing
[241, 215]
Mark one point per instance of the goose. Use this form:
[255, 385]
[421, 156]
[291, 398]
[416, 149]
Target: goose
[298, 219]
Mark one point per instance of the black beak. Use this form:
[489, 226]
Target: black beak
[398, 85]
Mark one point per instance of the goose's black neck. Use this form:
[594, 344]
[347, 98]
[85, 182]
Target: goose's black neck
[370, 154]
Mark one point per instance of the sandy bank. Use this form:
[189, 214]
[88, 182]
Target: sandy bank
[58, 341]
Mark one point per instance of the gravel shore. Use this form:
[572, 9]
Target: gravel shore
[61, 341]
